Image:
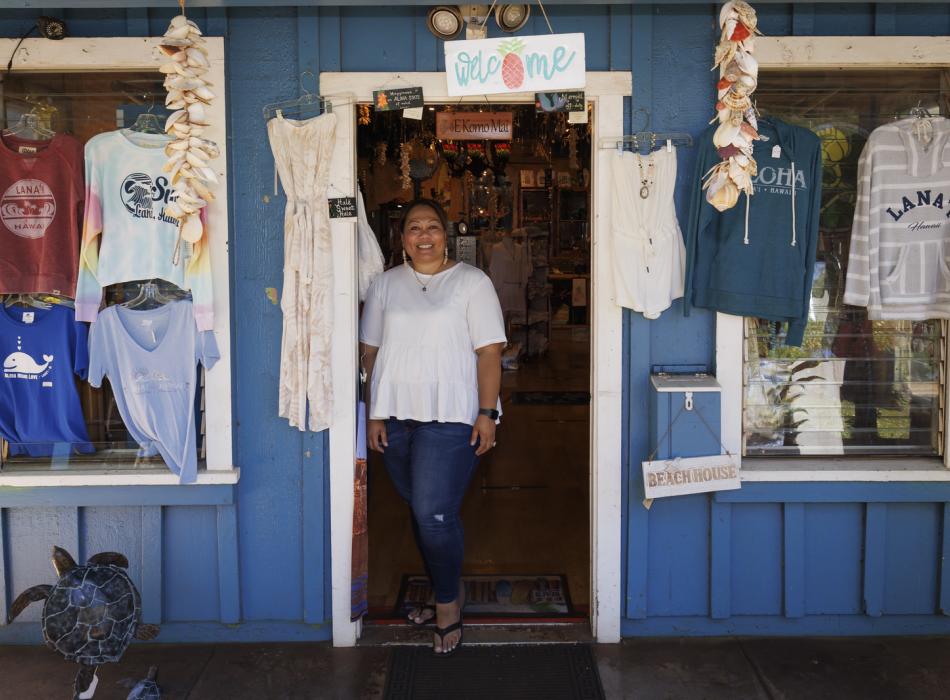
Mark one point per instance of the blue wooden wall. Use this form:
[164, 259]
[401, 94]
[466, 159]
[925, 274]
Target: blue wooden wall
[251, 562]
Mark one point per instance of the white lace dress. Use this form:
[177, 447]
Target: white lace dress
[302, 151]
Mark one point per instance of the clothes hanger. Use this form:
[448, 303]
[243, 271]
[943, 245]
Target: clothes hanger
[148, 122]
[148, 292]
[30, 126]
[25, 300]
[307, 101]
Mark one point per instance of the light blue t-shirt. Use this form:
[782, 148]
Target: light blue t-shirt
[151, 358]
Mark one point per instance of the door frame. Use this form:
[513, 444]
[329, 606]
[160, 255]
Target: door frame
[606, 90]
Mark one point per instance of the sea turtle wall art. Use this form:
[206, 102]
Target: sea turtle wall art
[91, 613]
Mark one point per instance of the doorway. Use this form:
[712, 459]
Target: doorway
[605, 90]
[519, 210]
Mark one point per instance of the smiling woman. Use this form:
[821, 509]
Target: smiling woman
[434, 365]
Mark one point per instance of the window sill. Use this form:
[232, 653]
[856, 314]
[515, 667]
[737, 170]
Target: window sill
[115, 477]
[843, 469]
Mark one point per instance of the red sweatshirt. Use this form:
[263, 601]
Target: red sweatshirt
[41, 196]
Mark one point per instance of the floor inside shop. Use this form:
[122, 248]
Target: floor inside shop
[526, 513]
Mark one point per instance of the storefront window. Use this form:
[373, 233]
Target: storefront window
[855, 386]
[40, 106]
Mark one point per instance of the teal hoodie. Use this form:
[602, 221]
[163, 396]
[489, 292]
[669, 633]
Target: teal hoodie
[756, 259]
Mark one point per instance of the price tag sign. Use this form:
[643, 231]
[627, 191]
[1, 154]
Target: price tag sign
[397, 98]
[342, 207]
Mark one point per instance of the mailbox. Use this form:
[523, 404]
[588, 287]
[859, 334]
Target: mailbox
[685, 414]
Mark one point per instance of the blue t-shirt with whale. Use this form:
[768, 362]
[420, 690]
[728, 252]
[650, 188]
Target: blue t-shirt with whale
[42, 350]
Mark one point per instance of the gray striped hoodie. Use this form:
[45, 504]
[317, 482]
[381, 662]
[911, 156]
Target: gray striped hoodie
[900, 240]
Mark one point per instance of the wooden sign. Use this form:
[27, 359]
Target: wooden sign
[397, 98]
[473, 126]
[515, 64]
[342, 207]
[681, 476]
[569, 101]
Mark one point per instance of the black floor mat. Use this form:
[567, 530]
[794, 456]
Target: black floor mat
[549, 671]
[570, 398]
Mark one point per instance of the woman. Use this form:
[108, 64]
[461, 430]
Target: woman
[431, 340]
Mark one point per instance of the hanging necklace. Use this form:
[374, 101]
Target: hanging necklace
[425, 285]
[646, 180]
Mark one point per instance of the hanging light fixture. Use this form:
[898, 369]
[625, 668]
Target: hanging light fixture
[445, 22]
[511, 18]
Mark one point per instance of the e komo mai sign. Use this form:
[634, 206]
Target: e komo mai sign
[474, 126]
[515, 64]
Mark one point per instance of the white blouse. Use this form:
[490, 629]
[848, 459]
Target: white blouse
[426, 368]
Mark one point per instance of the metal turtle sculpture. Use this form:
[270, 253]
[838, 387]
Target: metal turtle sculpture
[91, 613]
[148, 688]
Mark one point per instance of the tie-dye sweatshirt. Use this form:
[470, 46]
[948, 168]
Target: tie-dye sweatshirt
[126, 233]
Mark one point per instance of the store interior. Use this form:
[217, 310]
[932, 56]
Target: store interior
[519, 209]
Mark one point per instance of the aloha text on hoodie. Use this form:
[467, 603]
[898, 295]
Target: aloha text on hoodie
[757, 258]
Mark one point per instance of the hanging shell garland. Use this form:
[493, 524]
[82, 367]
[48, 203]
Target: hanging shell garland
[738, 127]
[405, 150]
[189, 155]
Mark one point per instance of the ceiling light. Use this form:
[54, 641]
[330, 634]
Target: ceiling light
[511, 18]
[445, 21]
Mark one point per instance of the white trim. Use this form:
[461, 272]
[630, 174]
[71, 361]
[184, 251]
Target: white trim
[142, 54]
[813, 53]
[606, 90]
[114, 477]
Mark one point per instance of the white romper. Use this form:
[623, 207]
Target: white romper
[646, 244]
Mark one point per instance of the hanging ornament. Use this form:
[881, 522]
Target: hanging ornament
[188, 154]
[381, 153]
[738, 127]
[364, 115]
[405, 150]
[572, 150]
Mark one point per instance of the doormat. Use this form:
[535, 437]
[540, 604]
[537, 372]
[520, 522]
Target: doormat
[561, 398]
[549, 671]
[496, 596]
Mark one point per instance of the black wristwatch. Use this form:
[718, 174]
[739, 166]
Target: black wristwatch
[490, 412]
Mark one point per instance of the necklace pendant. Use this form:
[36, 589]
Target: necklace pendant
[425, 289]
[644, 192]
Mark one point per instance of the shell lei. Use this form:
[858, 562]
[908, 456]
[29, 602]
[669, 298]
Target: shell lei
[738, 127]
[189, 94]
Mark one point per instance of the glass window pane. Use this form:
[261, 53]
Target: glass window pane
[855, 386]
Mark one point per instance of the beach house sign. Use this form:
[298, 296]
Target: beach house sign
[515, 64]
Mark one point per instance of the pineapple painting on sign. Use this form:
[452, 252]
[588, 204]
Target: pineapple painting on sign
[515, 64]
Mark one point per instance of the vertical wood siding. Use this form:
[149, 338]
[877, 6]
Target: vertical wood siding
[693, 565]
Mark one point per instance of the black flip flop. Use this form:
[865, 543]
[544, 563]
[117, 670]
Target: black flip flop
[444, 631]
[427, 621]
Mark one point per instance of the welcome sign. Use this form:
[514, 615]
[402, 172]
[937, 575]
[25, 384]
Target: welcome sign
[515, 64]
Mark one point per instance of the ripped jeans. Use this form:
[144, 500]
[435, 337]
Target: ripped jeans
[431, 464]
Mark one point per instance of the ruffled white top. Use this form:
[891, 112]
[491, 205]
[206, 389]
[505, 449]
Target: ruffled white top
[426, 368]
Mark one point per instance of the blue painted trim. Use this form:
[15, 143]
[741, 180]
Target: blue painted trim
[944, 601]
[308, 54]
[331, 44]
[136, 21]
[794, 570]
[427, 46]
[885, 19]
[4, 600]
[803, 19]
[229, 574]
[875, 541]
[838, 492]
[152, 550]
[720, 567]
[178, 495]
[313, 503]
[769, 626]
[216, 21]
[29, 633]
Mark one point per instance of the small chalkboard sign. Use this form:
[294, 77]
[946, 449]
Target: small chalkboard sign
[342, 207]
[397, 98]
[572, 101]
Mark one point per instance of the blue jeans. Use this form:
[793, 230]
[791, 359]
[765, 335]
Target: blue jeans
[430, 465]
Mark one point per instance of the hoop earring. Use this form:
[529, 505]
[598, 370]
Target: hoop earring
[405, 258]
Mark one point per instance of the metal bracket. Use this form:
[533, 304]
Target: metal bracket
[688, 404]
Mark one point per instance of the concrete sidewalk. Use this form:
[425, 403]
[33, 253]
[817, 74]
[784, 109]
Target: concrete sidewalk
[838, 669]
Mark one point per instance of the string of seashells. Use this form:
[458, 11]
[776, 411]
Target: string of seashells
[189, 94]
[738, 126]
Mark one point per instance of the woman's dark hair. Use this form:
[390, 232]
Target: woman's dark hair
[432, 204]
